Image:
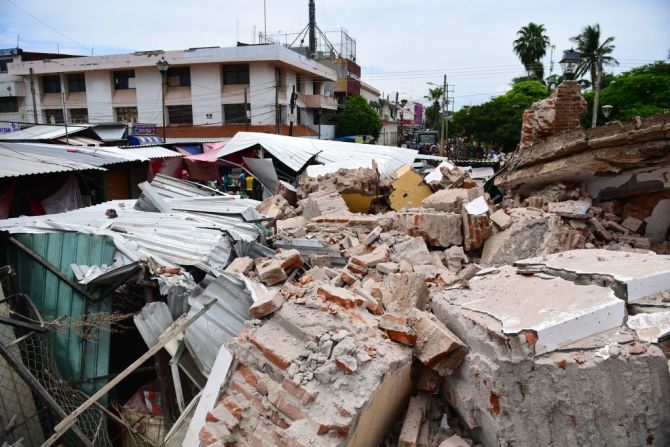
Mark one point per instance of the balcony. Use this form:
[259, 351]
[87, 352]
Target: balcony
[318, 102]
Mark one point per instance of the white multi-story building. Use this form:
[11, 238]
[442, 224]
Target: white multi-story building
[204, 86]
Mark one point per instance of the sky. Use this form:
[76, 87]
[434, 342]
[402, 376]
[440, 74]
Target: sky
[401, 44]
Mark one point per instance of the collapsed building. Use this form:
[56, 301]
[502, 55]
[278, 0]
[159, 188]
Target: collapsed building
[365, 302]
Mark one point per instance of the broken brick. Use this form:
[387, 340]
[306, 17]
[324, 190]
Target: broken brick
[411, 425]
[268, 303]
[435, 343]
[240, 265]
[270, 271]
[340, 296]
[397, 329]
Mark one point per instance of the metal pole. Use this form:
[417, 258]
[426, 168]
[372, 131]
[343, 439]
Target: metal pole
[290, 123]
[32, 92]
[277, 112]
[62, 97]
[265, 23]
[596, 97]
[444, 107]
[246, 111]
[163, 75]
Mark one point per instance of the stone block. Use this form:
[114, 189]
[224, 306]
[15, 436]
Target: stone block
[377, 256]
[340, 296]
[411, 425]
[413, 251]
[408, 290]
[240, 265]
[438, 229]
[266, 304]
[373, 235]
[447, 200]
[388, 268]
[501, 219]
[633, 224]
[270, 271]
[435, 344]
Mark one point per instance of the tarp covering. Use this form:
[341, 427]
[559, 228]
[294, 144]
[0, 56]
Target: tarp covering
[205, 166]
[65, 199]
[171, 167]
[296, 152]
[137, 140]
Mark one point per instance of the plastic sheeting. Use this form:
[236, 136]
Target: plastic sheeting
[65, 199]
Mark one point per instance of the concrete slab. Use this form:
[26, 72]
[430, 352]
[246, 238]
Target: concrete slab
[635, 275]
[650, 327]
[557, 311]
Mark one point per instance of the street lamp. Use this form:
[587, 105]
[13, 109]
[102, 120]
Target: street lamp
[569, 63]
[163, 66]
[444, 140]
[607, 110]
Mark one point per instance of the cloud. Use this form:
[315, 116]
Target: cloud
[402, 44]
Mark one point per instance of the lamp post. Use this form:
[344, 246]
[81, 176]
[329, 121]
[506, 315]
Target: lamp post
[163, 66]
[569, 63]
[444, 141]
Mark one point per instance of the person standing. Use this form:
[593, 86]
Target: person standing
[249, 182]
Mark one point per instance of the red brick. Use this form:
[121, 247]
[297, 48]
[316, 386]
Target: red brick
[301, 393]
[347, 364]
[289, 259]
[284, 405]
[411, 425]
[340, 296]
[397, 329]
[266, 304]
[435, 343]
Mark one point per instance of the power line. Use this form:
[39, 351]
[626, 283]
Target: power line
[49, 26]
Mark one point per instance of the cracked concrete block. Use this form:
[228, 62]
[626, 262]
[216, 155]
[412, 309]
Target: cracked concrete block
[501, 219]
[240, 265]
[270, 271]
[413, 251]
[436, 228]
[631, 275]
[575, 209]
[447, 200]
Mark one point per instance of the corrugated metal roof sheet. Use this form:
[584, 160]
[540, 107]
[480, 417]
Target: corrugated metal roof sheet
[196, 140]
[15, 163]
[296, 152]
[152, 152]
[92, 156]
[42, 132]
[172, 187]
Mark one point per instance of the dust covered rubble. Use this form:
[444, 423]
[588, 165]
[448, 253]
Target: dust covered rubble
[393, 322]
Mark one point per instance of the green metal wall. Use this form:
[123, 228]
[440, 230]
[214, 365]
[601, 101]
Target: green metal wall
[54, 298]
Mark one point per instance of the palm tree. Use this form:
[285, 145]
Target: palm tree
[433, 112]
[594, 55]
[531, 46]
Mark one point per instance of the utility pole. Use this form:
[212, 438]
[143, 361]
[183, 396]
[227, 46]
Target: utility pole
[277, 111]
[62, 97]
[32, 93]
[265, 23]
[596, 97]
[395, 117]
[246, 111]
[445, 112]
[291, 117]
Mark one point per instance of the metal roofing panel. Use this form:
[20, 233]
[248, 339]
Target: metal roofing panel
[16, 163]
[152, 152]
[42, 132]
[97, 156]
[111, 132]
[196, 140]
[172, 187]
[296, 152]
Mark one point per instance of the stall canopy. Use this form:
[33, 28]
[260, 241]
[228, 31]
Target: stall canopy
[205, 166]
[296, 153]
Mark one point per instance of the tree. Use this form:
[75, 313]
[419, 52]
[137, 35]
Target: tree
[358, 118]
[498, 121]
[433, 111]
[594, 55]
[531, 46]
[642, 91]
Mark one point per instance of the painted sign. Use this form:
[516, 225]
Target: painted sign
[143, 129]
[9, 127]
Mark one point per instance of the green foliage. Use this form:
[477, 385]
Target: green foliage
[531, 46]
[642, 91]
[433, 112]
[498, 121]
[358, 118]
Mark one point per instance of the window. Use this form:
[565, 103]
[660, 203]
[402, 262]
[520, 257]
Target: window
[77, 116]
[179, 77]
[236, 74]
[126, 114]
[51, 84]
[9, 104]
[53, 116]
[124, 80]
[76, 82]
[316, 88]
[3, 65]
[180, 114]
[234, 113]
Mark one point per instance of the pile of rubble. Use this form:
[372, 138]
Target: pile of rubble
[449, 320]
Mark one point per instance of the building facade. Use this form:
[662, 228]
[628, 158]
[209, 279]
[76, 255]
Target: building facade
[203, 86]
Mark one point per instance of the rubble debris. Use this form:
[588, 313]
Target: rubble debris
[270, 271]
[358, 187]
[501, 219]
[570, 208]
[558, 348]
[438, 229]
[240, 265]
[326, 202]
[308, 374]
[411, 425]
[413, 250]
[650, 327]
[408, 189]
[436, 347]
[276, 207]
[267, 303]
[449, 176]
[446, 200]
[632, 276]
